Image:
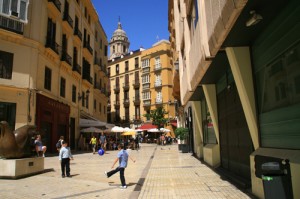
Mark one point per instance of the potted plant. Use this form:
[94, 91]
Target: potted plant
[182, 133]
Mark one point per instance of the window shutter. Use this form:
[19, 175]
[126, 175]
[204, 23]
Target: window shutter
[23, 6]
[14, 8]
[5, 8]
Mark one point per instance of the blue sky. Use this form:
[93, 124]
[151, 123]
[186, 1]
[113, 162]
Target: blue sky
[143, 20]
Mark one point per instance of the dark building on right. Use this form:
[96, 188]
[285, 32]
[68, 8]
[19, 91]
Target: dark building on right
[237, 74]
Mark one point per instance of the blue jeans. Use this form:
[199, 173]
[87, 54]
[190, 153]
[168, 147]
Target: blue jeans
[122, 177]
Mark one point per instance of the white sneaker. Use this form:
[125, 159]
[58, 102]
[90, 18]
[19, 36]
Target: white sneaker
[123, 187]
[105, 173]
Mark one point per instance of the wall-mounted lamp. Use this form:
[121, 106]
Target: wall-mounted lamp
[254, 19]
[80, 97]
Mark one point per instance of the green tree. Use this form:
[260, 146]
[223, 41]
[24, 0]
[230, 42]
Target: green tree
[158, 117]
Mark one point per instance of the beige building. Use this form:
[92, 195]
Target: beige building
[53, 58]
[140, 81]
[238, 71]
[157, 85]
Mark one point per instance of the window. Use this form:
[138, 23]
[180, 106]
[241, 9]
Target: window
[6, 64]
[126, 66]
[16, 8]
[280, 81]
[114, 49]
[157, 63]
[100, 43]
[124, 48]
[117, 69]
[136, 62]
[74, 93]
[100, 107]
[145, 63]
[62, 87]
[105, 50]
[95, 105]
[85, 12]
[158, 80]
[47, 78]
[8, 113]
[146, 95]
[146, 79]
[87, 101]
[158, 97]
[209, 136]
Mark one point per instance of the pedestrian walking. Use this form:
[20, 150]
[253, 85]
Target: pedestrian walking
[122, 157]
[103, 141]
[93, 142]
[64, 156]
[59, 143]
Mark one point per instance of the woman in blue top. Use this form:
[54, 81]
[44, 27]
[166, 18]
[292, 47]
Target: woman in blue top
[123, 159]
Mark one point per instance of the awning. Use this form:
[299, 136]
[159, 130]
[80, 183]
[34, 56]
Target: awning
[91, 123]
[174, 123]
[147, 127]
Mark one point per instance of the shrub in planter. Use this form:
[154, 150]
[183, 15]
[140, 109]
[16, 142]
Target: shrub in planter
[182, 133]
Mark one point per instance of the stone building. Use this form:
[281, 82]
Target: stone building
[238, 72]
[53, 59]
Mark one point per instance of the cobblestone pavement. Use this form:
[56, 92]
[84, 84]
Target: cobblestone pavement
[159, 172]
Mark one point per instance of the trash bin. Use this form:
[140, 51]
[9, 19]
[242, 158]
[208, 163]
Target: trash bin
[276, 176]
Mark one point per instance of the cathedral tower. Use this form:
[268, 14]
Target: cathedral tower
[119, 43]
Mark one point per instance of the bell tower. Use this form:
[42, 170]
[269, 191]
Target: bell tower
[119, 43]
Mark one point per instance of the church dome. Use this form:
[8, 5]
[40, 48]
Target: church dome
[119, 34]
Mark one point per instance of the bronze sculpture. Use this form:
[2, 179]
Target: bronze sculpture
[16, 144]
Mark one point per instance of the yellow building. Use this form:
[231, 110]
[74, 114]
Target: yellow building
[140, 81]
[53, 57]
[157, 85]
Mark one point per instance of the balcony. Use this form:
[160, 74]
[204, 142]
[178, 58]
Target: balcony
[126, 86]
[117, 104]
[77, 68]
[51, 44]
[108, 92]
[86, 45]
[157, 67]
[78, 35]
[68, 19]
[87, 78]
[11, 25]
[97, 86]
[147, 102]
[97, 62]
[136, 84]
[157, 84]
[146, 86]
[136, 101]
[54, 6]
[66, 57]
[117, 89]
[126, 103]
[158, 102]
[146, 70]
